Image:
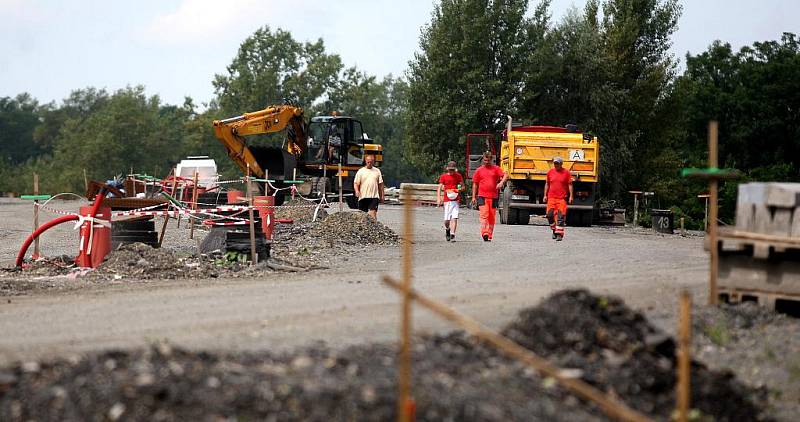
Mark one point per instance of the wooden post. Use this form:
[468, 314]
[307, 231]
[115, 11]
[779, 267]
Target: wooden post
[340, 187]
[85, 181]
[405, 402]
[682, 229]
[712, 223]
[194, 206]
[635, 206]
[36, 214]
[253, 255]
[684, 356]
[166, 217]
[607, 402]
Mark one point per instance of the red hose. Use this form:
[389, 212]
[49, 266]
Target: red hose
[98, 200]
[37, 232]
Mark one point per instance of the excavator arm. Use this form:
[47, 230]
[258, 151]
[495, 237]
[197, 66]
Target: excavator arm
[232, 132]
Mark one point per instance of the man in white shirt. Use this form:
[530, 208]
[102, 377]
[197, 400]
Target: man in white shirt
[368, 185]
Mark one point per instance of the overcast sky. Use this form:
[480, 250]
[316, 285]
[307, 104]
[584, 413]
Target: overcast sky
[174, 47]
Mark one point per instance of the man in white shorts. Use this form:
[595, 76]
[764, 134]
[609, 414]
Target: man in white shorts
[448, 192]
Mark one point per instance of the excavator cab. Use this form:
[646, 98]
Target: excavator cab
[334, 140]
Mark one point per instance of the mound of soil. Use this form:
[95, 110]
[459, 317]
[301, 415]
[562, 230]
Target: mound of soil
[144, 262]
[617, 349]
[454, 377]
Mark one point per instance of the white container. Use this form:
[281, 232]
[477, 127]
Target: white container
[205, 167]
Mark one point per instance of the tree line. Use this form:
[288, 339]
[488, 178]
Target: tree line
[606, 68]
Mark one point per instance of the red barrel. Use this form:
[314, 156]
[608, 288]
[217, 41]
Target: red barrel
[91, 256]
[266, 212]
[235, 196]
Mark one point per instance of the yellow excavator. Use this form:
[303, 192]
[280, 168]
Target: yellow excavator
[312, 152]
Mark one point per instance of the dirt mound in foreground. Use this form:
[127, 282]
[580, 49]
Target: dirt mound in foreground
[455, 378]
[617, 349]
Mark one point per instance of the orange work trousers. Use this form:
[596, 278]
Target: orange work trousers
[487, 210]
[556, 214]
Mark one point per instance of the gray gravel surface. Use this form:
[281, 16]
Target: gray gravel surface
[346, 304]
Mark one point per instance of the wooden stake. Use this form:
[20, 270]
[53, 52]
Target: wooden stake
[253, 255]
[682, 229]
[610, 405]
[194, 206]
[36, 214]
[404, 385]
[340, 187]
[166, 217]
[684, 356]
[85, 181]
[712, 223]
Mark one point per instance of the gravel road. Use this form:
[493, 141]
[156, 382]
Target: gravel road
[345, 304]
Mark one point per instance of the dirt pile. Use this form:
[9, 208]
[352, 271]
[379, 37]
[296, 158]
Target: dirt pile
[455, 378]
[617, 349]
[353, 227]
[299, 210]
[144, 262]
[139, 262]
[319, 243]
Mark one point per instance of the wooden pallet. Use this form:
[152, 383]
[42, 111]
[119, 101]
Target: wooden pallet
[780, 302]
[761, 246]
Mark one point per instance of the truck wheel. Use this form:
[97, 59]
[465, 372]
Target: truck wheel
[586, 219]
[507, 216]
[523, 217]
[513, 216]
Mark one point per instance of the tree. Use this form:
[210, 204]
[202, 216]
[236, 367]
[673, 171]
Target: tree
[466, 78]
[270, 67]
[19, 117]
[129, 130]
[753, 95]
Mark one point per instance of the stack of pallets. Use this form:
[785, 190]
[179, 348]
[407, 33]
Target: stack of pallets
[418, 193]
[760, 257]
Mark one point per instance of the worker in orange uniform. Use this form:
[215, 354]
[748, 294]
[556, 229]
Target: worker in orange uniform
[557, 185]
[487, 180]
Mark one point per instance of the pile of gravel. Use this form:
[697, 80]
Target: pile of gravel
[454, 378]
[353, 227]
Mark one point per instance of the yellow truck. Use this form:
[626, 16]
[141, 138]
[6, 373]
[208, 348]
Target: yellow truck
[526, 154]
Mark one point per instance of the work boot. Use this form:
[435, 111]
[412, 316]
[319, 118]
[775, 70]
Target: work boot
[453, 237]
[486, 238]
[554, 234]
[447, 234]
[559, 237]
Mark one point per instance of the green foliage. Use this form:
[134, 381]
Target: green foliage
[466, 78]
[18, 119]
[270, 67]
